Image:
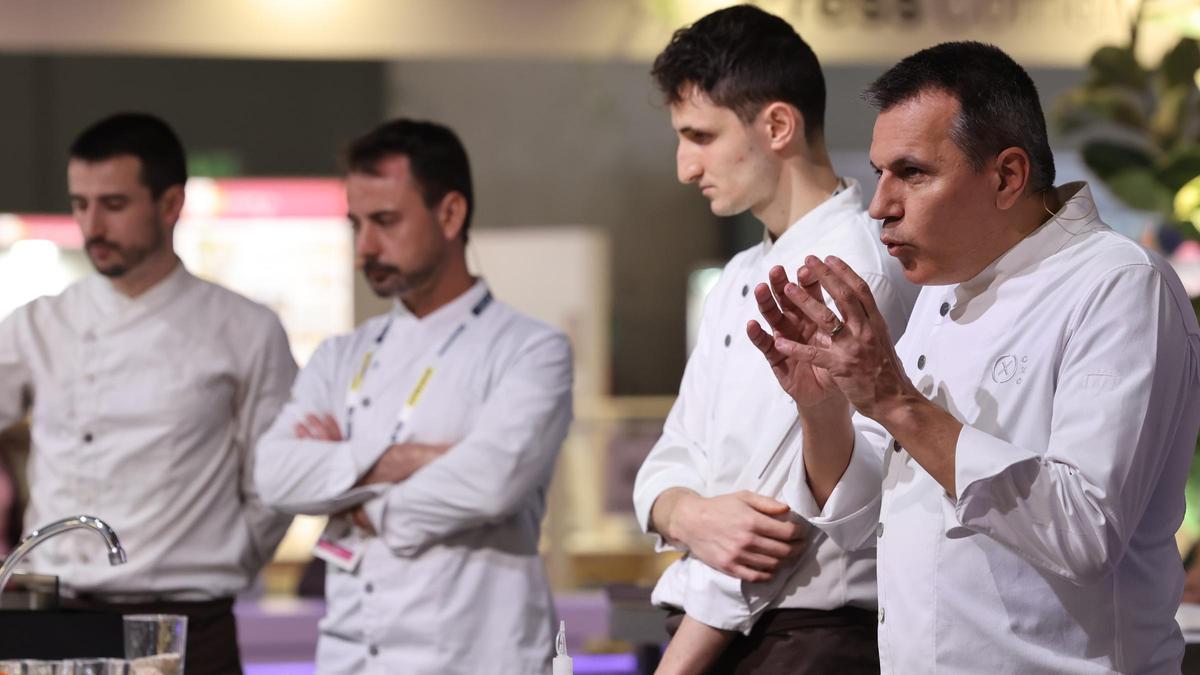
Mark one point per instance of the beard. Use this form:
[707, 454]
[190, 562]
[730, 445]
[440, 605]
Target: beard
[389, 281]
[114, 260]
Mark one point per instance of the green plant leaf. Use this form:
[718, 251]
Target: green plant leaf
[1140, 189]
[1081, 106]
[1180, 63]
[1116, 66]
[1187, 201]
[1107, 159]
[1170, 117]
[1180, 167]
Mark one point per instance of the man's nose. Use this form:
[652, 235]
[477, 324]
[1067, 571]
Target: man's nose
[885, 203]
[366, 240]
[90, 222]
[687, 166]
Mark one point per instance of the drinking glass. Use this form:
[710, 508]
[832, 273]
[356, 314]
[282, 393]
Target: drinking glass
[155, 643]
[35, 667]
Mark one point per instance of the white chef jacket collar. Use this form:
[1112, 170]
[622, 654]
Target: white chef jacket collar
[448, 313]
[1077, 215]
[798, 239]
[111, 301]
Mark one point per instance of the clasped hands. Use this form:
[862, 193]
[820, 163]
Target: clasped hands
[396, 464]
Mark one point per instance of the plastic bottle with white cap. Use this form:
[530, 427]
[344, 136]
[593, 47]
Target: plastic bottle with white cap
[562, 662]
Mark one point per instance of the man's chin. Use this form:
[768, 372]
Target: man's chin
[386, 292]
[724, 210]
[388, 289]
[110, 270]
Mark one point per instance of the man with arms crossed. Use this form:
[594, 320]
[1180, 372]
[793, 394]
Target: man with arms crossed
[747, 100]
[150, 388]
[1034, 426]
[448, 412]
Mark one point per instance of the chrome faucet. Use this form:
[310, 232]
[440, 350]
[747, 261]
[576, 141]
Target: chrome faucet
[116, 554]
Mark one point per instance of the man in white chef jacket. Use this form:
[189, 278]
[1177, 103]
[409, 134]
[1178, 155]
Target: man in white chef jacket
[429, 434]
[759, 594]
[150, 388]
[1034, 426]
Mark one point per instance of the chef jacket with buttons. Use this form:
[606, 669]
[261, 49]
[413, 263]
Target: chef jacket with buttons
[1073, 362]
[145, 413]
[453, 583]
[731, 419]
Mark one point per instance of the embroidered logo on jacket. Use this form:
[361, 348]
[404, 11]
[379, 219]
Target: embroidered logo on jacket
[1005, 369]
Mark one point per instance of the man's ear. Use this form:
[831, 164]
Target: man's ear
[1012, 167]
[170, 204]
[782, 123]
[452, 214]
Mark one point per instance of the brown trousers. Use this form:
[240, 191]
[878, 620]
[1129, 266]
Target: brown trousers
[801, 642]
[212, 647]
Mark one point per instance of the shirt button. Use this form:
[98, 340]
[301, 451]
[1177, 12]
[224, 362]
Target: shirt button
[370, 587]
[896, 445]
[90, 379]
[745, 290]
[87, 438]
[89, 336]
[728, 339]
[880, 615]
[366, 403]
[921, 361]
[879, 531]
[945, 309]
[374, 651]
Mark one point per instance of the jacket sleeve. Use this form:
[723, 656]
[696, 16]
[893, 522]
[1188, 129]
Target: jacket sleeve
[300, 475]
[263, 393]
[1124, 417]
[679, 457]
[16, 381]
[508, 455]
[728, 603]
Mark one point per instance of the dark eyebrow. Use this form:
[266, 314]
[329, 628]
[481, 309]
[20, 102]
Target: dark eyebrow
[74, 196]
[902, 160]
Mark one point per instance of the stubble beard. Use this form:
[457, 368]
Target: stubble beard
[126, 257]
[397, 283]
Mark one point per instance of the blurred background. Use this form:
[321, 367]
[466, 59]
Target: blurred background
[579, 218]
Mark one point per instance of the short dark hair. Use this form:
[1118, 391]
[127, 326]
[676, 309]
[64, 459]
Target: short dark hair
[435, 154]
[743, 58]
[146, 137]
[999, 106]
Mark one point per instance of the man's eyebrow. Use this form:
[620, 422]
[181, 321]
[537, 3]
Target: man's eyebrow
[902, 160]
[101, 197]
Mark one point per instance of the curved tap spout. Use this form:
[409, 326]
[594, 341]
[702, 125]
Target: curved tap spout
[116, 554]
